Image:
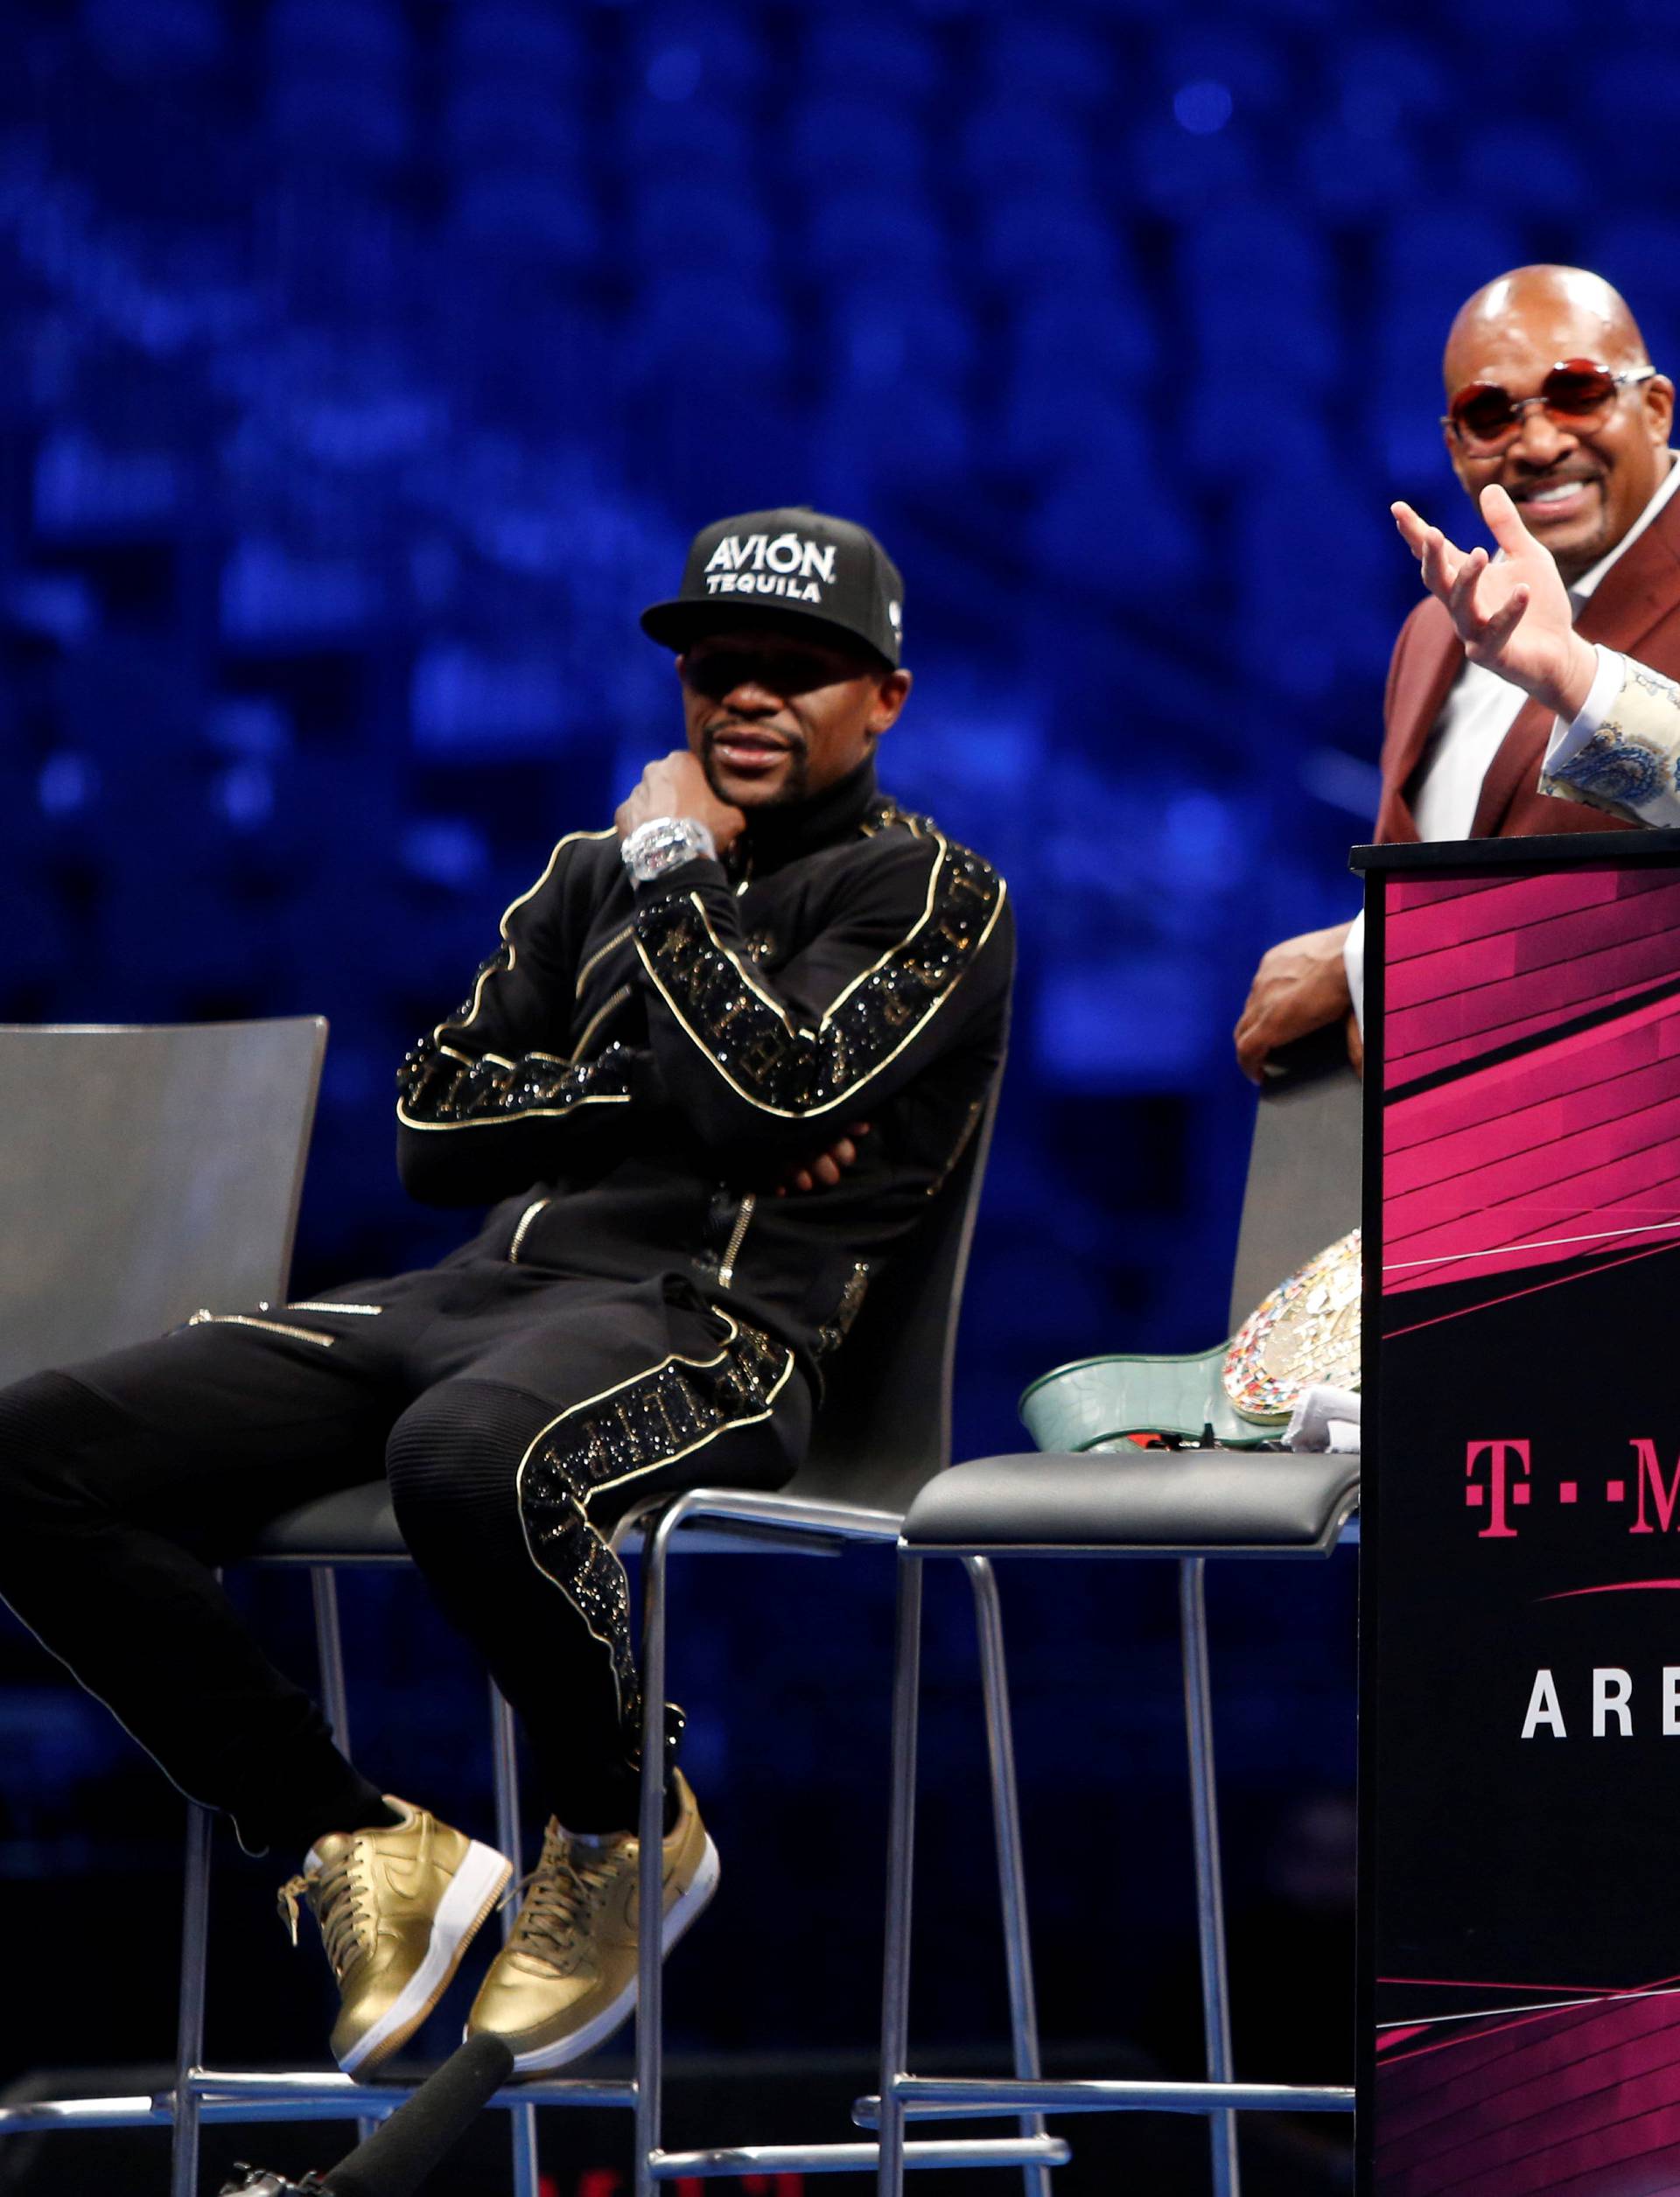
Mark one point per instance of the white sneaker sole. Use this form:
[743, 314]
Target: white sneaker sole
[597, 2030]
[477, 1884]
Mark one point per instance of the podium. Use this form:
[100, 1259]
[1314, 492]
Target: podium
[1520, 1654]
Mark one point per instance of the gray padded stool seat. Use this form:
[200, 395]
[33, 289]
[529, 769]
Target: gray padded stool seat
[354, 1525]
[1191, 1502]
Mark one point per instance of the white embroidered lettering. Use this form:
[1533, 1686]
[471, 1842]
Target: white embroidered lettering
[787, 555]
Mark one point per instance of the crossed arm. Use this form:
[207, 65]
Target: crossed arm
[675, 785]
[774, 1074]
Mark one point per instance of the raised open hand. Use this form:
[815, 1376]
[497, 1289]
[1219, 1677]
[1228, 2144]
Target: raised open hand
[1512, 616]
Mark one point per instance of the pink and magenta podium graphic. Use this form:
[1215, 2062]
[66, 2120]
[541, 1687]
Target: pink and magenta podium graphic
[1520, 1759]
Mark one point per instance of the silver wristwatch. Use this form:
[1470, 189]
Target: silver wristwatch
[665, 842]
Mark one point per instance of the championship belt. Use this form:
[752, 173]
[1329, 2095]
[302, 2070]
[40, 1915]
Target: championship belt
[1304, 1335]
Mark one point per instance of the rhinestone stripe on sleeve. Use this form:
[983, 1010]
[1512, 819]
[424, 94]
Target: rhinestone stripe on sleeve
[651, 1420]
[773, 1063]
[438, 1088]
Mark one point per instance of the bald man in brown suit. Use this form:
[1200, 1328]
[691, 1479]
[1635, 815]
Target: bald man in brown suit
[1462, 751]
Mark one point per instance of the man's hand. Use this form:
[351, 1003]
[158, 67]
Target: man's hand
[1513, 616]
[825, 1170]
[675, 786]
[1300, 985]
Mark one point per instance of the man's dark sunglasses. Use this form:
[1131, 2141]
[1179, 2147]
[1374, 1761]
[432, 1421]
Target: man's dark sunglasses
[716, 672]
[1577, 393]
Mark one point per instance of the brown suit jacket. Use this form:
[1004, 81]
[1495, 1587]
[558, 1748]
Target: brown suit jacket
[1635, 608]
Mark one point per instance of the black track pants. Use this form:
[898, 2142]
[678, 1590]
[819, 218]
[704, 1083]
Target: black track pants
[519, 1415]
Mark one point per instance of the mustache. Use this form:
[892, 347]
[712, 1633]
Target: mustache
[720, 728]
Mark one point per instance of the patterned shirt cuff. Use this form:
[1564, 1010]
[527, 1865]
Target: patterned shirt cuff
[1629, 765]
[1569, 740]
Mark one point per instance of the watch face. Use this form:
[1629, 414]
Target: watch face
[662, 843]
[1304, 1335]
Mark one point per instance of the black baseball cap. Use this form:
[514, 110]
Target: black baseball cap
[795, 569]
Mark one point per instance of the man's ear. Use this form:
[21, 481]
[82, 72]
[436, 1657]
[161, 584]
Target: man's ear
[890, 698]
[1659, 407]
[683, 667]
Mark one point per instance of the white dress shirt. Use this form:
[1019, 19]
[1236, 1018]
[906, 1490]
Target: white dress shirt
[1480, 709]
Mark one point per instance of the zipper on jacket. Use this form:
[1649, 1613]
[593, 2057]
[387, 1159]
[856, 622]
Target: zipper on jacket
[525, 1221]
[204, 1317]
[736, 1237]
[600, 1016]
[600, 955]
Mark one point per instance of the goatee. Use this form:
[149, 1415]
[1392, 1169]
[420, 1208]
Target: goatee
[795, 787]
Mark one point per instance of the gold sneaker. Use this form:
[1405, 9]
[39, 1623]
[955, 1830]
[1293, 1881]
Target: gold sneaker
[567, 1976]
[398, 1908]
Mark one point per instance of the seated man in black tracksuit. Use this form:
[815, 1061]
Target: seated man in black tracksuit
[688, 1013]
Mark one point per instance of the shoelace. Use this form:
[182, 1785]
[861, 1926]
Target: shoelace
[335, 1896]
[558, 1896]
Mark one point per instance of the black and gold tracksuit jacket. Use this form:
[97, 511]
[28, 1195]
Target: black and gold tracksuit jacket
[638, 1066]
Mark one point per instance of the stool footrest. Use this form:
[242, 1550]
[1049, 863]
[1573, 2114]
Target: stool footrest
[372, 2100]
[136, 2112]
[933, 2097]
[853, 2159]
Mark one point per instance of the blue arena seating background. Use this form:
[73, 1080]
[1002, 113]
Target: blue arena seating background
[364, 367]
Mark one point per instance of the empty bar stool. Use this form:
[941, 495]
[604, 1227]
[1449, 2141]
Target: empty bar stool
[1079, 1498]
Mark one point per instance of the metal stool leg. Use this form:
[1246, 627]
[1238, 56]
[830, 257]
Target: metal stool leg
[329, 1650]
[505, 1759]
[189, 2034]
[189, 2027]
[650, 1897]
[335, 1699]
[901, 1854]
[1006, 1822]
[1210, 1900]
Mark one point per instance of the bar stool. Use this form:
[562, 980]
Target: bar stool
[1078, 1498]
[883, 1433]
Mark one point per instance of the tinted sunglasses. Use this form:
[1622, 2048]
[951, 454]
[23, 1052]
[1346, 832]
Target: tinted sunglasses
[1577, 393]
[715, 672]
